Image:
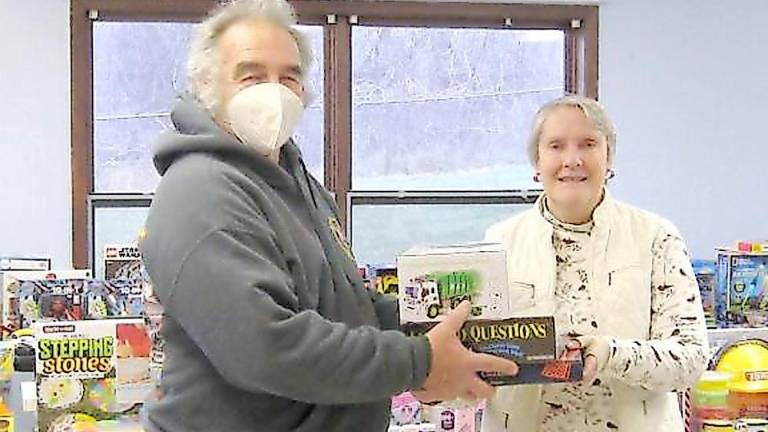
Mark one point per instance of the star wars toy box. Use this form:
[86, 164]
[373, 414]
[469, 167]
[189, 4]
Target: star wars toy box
[122, 261]
[124, 270]
[90, 371]
[742, 288]
[434, 281]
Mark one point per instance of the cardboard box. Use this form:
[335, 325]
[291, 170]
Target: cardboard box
[454, 419]
[433, 281]
[24, 264]
[31, 295]
[704, 270]
[13, 265]
[122, 261]
[381, 278]
[742, 288]
[529, 341]
[99, 368]
[125, 271]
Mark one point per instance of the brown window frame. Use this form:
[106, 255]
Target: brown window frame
[579, 22]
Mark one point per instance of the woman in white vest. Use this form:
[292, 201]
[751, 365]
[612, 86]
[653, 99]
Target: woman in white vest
[617, 279]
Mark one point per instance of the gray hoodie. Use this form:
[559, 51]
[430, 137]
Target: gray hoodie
[268, 326]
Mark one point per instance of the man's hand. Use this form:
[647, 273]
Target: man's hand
[454, 368]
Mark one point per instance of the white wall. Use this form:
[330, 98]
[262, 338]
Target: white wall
[35, 191]
[687, 83]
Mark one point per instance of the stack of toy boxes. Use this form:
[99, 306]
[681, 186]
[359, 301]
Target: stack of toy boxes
[434, 281]
[742, 288]
[124, 268]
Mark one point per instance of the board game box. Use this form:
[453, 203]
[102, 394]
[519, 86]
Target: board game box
[96, 369]
[530, 341]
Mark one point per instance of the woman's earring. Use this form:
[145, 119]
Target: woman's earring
[609, 174]
[537, 177]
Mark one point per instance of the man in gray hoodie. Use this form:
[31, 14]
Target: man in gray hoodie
[268, 326]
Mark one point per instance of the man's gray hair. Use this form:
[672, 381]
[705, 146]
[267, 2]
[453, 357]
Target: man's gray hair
[203, 62]
[591, 109]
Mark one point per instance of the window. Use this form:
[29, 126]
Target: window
[420, 115]
[115, 220]
[399, 227]
[135, 86]
[443, 109]
[448, 109]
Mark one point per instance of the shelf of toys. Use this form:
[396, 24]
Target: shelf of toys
[733, 394]
[86, 384]
[88, 346]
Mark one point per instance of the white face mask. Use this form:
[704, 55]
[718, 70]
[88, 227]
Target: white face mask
[264, 116]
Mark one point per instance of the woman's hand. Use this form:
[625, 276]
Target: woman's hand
[595, 351]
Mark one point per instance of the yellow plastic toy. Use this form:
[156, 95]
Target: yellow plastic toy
[6, 360]
[747, 361]
[85, 423]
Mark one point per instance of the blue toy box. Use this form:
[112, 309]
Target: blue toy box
[742, 288]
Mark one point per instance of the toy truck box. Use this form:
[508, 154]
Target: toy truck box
[434, 280]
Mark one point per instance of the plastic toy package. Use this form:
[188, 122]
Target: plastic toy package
[68, 296]
[385, 279]
[408, 414]
[449, 417]
[29, 296]
[405, 410]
